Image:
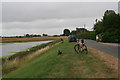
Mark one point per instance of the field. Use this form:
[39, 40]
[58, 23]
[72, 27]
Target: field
[8, 40]
[68, 65]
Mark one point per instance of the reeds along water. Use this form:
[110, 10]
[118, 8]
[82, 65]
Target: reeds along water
[19, 59]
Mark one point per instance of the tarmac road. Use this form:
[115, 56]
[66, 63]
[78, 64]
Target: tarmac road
[112, 50]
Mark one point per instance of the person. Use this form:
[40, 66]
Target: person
[97, 38]
[81, 43]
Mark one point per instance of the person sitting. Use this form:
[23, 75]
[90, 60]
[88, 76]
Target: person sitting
[82, 43]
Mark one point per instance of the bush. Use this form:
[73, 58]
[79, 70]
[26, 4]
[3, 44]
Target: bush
[86, 35]
[112, 37]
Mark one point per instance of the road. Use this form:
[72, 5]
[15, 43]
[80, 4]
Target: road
[112, 50]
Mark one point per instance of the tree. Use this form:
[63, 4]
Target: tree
[27, 35]
[86, 35]
[98, 27]
[73, 32]
[66, 32]
[109, 27]
[45, 35]
[81, 30]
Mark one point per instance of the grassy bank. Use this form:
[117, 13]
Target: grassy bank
[9, 40]
[68, 65]
[13, 62]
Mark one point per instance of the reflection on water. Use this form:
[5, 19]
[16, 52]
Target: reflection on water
[9, 49]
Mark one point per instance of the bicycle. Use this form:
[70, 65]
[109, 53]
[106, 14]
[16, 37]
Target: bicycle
[81, 48]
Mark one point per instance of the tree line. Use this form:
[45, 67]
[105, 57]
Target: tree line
[80, 33]
[26, 35]
[107, 29]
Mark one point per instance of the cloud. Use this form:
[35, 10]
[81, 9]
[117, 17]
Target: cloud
[119, 7]
[49, 23]
[50, 26]
[27, 11]
[50, 17]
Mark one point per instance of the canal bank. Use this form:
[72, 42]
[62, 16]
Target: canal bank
[21, 58]
[10, 49]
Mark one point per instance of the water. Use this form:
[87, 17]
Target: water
[9, 49]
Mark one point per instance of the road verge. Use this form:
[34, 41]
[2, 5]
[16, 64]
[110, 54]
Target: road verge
[109, 60]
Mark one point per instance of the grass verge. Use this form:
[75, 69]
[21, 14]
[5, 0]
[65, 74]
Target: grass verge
[109, 60]
[13, 62]
[68, 65]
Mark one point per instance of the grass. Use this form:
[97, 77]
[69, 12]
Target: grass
[6, 43]
[10, 40]
[68, 65]
[13, 62]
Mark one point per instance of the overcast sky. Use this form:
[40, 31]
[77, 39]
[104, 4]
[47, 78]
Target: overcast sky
[19, 18]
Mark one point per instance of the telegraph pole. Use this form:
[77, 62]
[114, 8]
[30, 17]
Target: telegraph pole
[84, 27]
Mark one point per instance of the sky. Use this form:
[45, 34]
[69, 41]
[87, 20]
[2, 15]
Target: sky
[19, 18]
[119, 7]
